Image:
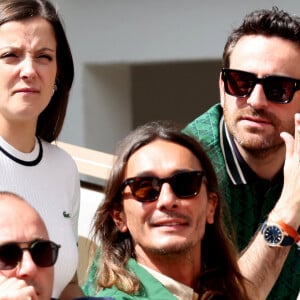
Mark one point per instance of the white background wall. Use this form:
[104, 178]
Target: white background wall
[109, 37]
[112, 40]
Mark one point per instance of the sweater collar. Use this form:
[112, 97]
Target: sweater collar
[236, 167]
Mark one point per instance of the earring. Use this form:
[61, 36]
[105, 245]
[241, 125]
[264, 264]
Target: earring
[54, 89]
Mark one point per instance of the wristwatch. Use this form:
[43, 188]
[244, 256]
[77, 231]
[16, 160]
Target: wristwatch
[275, 235]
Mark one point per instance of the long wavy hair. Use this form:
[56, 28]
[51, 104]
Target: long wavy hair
[51, 120]
[273, 22]
[220, 274]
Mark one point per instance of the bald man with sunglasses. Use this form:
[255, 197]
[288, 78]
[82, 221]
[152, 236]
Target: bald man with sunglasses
[248, 137]
[27, 256]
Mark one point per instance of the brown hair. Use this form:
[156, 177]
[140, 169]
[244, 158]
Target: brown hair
[51, 120]
[265, 22]
[220, 273]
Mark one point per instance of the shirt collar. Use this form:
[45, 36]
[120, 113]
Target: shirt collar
[237, 168]
[178, 289]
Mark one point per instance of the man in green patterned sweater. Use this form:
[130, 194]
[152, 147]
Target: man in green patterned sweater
[248, 136]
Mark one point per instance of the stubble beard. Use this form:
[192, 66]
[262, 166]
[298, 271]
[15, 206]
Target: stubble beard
[255, 142]
[173, 250]
[260, 147]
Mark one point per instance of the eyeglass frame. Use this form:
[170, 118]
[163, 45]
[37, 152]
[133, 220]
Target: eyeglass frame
[54, 247]
[160, 182]
[261, 81]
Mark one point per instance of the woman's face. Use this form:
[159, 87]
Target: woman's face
[28, 69]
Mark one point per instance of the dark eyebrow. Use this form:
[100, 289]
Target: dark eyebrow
[150, 173]
[47, 49]
[14, 48]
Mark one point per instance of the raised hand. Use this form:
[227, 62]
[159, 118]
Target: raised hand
[16, 289]
[288, 205]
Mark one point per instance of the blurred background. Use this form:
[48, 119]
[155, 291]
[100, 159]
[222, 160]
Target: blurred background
[142, 60]
[137, 61]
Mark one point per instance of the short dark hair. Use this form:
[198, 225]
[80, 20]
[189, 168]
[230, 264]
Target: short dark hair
[273, 22]
[51, 120]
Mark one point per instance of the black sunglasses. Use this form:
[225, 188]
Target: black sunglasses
[146, 189]
[43, 253]
[277, 89]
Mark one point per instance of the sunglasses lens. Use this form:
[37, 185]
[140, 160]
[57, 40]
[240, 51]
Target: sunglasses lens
[145, 189]
[186, 184]
[238, 83]
[279, 89]
[10, 256]
[276, 88]
[44, 253]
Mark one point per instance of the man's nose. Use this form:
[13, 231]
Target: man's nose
[26, 267]
[257, 99]
[167, 199]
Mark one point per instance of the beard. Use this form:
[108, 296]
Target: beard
[172, 250]
[258, 146]
[256, 141]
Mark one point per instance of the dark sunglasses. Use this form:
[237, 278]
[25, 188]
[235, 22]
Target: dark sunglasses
[43, 253]
[277, 89]
[147, 189]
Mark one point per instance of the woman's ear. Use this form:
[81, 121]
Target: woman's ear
[212, 202]
[120, 220]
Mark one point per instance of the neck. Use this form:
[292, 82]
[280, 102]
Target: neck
[19, 135]
[182, 268]
[265, 163]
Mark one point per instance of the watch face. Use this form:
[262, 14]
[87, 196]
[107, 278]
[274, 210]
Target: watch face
[273, 235]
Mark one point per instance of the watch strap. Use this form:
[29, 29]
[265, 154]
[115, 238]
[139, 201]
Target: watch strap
[287, 240]
[289, 230]
[285, 227]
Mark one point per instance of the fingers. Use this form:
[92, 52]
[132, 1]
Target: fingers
[292, 143]
[288, 205]
[289, 143]
[13, 289]
[297, 133]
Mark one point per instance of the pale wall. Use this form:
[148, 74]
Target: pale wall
[109, 38]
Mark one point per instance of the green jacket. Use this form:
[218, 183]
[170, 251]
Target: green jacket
[150, 287]
[249, 198]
